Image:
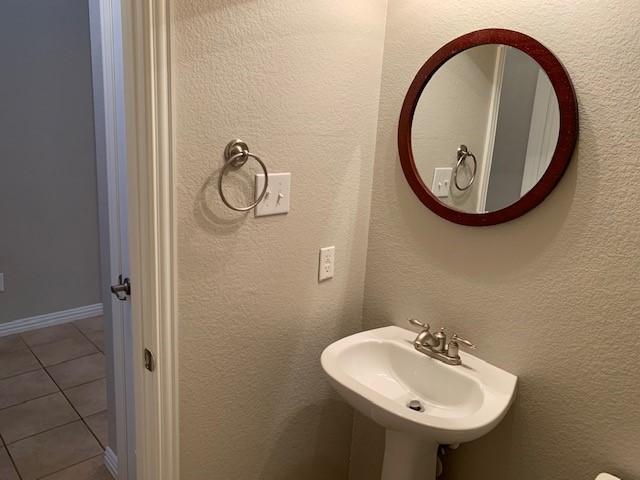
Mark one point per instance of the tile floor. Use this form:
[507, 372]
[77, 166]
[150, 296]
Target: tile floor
[53, 403]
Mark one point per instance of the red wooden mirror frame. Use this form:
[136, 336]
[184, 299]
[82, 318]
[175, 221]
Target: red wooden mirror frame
[566, 141]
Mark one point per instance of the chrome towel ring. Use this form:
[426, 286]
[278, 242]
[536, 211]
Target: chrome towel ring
[236, 155]
[463, 154]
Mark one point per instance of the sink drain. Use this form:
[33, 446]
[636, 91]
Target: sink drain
[415, 405]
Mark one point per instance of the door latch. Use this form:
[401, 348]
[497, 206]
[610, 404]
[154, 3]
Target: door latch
[122, 289]
[149, 362]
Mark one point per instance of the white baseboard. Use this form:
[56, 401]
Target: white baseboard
[111, 462]
[50, 319]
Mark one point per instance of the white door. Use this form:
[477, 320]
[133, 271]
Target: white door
[543, 135]
[109, 112]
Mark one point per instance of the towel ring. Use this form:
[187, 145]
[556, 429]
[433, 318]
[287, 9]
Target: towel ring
[236, 155]
[463, 154]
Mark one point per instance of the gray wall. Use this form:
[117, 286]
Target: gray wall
[48, 208]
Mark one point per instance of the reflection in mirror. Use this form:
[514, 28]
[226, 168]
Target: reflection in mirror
[497, 103]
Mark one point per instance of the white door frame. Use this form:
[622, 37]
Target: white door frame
[134, 81]
[147, 69]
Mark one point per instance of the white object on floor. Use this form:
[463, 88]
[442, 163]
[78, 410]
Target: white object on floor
[606, 476]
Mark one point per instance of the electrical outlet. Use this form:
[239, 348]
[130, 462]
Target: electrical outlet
[327, 262]
[1, 282]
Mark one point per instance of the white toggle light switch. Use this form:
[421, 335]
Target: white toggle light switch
[441, 182]
[327, 262]
[277, 198]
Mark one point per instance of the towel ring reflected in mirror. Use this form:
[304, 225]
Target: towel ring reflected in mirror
[463, 155]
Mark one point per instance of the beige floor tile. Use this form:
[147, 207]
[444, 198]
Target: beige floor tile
[15, 363]
[81, 370]
[7, 472]
[97, 338]
[68, 349]
[35, 416]
[92, 469]
[89, 398]
[99, 425]
[25, 387]
[54, 450]
[50, 334]
[11, 344]
[95, 324]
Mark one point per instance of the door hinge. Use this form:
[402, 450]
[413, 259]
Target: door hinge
[122, 289]
[149, 361]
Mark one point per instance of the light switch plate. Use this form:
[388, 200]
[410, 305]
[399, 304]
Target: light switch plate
[1, 282]
[441, 182]
[277, 199]
[327, 263]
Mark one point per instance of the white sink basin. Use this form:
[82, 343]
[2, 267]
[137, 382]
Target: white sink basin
[379, 372]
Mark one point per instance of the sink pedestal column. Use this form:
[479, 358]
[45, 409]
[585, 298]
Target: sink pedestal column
[409, 457]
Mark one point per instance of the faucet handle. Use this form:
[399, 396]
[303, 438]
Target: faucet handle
[418, 323]
[452, 349]
[457, 339]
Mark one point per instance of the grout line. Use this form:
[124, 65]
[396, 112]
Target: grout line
[28, 400]
[82, 384]
[28, 371]
[70, 359]
[75, 420]
[53, 341]
[89, 339]
[13, 462]
[72, 465]
[70, 403]
[49, 342]
[50, 393]
[45, 431]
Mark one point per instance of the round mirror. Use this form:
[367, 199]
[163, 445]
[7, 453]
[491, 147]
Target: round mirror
[488, 127]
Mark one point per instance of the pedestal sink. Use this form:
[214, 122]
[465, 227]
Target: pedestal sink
[420, 401]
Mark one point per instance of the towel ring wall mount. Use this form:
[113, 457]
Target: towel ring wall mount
[236, 154]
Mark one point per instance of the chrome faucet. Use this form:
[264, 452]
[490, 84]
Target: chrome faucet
[436, 345]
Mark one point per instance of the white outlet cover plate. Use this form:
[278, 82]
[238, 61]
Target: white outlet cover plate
[441, 182]
[327, 262]
[277, 200]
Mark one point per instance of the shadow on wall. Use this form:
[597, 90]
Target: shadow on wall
[212, 215]
[321, 456]
[489, 450]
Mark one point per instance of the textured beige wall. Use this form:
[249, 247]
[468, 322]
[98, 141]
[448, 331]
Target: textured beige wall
[553, 297]
[299, 81]
[49, 250]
